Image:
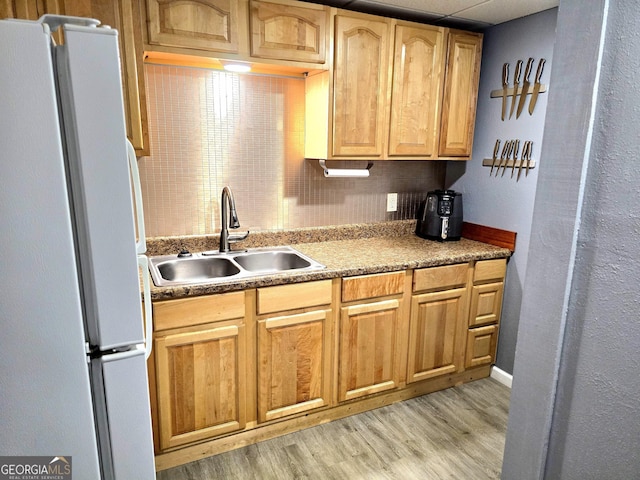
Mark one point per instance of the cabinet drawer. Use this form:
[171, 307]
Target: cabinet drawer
[487, 270]
[184, 312]
[481, 346]
[486, 304]
[289, 297]
[440, 278]
[371, 286]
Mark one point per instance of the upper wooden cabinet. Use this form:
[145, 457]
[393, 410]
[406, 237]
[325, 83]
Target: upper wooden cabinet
[418, 75]
[399, 90]
[360, 86]
[124, 16]
[460, 94]
[285, 31]
[200, 24]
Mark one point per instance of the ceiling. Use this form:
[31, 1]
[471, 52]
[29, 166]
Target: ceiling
[468, 14]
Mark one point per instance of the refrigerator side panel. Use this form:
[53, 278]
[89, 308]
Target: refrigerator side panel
[91, 97]
[45, 397]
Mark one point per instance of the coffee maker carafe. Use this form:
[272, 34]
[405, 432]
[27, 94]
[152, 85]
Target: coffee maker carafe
[440, 216]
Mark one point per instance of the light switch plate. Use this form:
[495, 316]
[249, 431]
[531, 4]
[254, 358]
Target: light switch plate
[392, 202]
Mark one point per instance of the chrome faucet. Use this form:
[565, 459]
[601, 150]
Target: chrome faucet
[227, 201]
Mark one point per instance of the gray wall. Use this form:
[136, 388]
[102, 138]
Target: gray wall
[502, 202]
[574, 406]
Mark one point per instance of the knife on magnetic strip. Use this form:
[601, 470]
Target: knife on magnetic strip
[505, 86]
[536, 86]
[525, 149]
[515, 157]
[505, 151]
[512, 145]
[525, 86]
[496, 150]
[516, 82]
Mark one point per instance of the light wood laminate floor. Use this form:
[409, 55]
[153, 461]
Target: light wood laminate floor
[456, 433]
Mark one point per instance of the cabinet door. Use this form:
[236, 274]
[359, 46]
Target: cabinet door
[201, 384]
[294, 361]
[460, 94]
[30, 9]
[436, 334]
[418, 75]
[481, 346]
[368, 346]
[286, 32]
[124, 16]
[360, 87]
[486, 303]
[202, 24]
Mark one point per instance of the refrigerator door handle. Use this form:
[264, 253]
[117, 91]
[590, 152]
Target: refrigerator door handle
[143, 262]
[141, 244]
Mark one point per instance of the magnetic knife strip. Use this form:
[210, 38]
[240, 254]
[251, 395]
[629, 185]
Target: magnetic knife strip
[511, 157]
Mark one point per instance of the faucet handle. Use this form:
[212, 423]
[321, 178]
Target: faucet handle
[236, 237]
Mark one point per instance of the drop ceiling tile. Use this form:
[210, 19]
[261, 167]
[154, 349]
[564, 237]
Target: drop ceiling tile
[386, 9]
[428, 6]
[333, 3]
[463, 23]
[499, 11]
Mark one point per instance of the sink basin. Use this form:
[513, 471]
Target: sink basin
[215, 267]
[272, 261]
[195, 269]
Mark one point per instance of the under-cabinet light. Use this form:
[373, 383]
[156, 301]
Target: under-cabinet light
[236, 67]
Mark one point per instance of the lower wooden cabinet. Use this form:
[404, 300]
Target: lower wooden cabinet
[275, 359]
[294, 361]
[369, 335]
[201, 384]
[294, 326]
[437, 334]
[484, 312]
[438, 324]
[200, 358]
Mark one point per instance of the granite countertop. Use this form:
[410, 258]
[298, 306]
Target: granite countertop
[345, 251]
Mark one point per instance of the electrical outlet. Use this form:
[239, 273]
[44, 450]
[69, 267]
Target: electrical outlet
[392, 202]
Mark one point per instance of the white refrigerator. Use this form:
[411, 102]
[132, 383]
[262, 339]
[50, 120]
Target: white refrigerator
[73, 378]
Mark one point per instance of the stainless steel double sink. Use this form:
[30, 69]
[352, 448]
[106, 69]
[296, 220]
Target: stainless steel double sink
[215, 267]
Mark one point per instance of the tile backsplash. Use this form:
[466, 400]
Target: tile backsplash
[212, 128]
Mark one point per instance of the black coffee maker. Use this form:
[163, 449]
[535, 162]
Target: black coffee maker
[440, 216]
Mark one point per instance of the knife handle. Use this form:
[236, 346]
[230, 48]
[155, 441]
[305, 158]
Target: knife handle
[496, 149]
[527, 70]
[515, 157]
[540, 68]
[504, 154]
[516, 77]
[505, 74]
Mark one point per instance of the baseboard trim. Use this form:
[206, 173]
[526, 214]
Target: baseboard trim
[501, 376]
